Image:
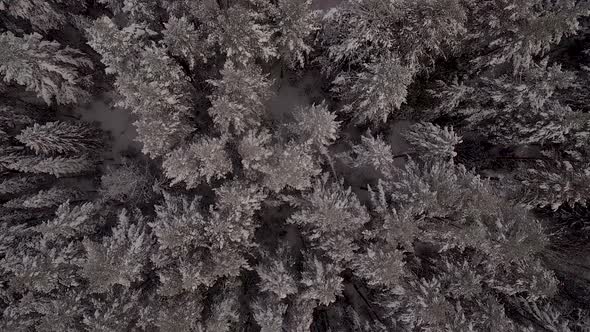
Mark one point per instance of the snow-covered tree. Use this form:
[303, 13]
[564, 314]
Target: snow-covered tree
[513, 110]
[378, 91]
[553, 185]
[432, 141]
[321, 281]
[119, 48]
[276, 276]
[516, 32]
[290, 166]
[185, 40]
[43, 15]
[316, 125]
[241, 34]
[120, 258]
[296, 22]
[238, 102]
[332, 219]
[47, 68]
[204, 160]
[129, 182]
[363, 30]
[269, 314]
[70, 221]
[159, 93]
[255, 149]
[59, 137]
[57, 166]
[52, 197]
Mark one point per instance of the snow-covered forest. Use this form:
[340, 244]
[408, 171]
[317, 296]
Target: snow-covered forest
[295, 165]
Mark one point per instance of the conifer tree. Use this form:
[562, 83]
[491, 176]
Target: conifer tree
[47, 68]
[239, 98]
[59, 137]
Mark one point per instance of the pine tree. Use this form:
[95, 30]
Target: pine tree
[418, 31]
[331, 217]
[47, 68]
[205, 160]
[59, 137]
[296, 23]
[185, 40]
[158, 92]
[378, 91]
[238, 102]
[553, 185]
[56, 166]
[130, 181]
[69, 222]
[43, 15]
[180, 313]
[120, 49]
[269, 313]
[513, 110]
[120, 258]
[276, 277]
[432, 141]
[52, 197]
[118, 310]
[517, 32]
[316, 125]
[241, 35]
[321, 281]
[290, 166]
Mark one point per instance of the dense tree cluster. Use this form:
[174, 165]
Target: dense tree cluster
[432, 174]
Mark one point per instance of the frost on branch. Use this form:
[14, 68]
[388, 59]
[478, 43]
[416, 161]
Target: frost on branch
[47, 68]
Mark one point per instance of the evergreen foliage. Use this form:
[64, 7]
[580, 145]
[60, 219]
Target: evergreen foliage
[380, 165]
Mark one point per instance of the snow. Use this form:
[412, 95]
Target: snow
[116, 121]
[326, 4]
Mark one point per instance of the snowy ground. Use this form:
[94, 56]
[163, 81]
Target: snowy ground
[116, 121]
[326, 4]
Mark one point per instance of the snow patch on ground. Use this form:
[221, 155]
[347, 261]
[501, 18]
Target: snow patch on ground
[116, 121]
[326, 4]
